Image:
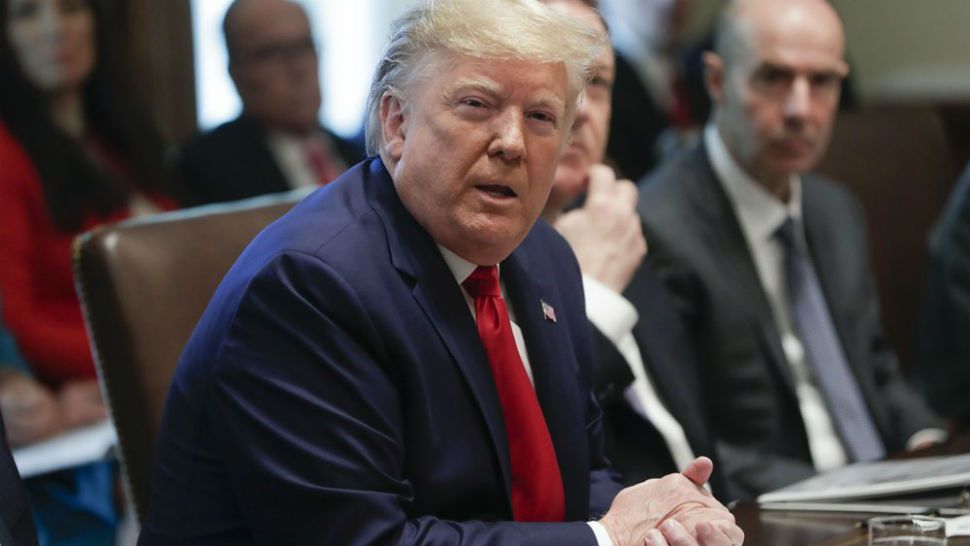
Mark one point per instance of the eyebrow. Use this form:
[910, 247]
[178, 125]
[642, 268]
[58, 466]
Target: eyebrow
[489, 87]
[482, 85]
[840, 70]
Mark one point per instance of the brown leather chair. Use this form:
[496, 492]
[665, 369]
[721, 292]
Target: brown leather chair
[143, 286]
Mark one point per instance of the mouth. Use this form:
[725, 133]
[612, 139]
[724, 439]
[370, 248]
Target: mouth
[497, 191]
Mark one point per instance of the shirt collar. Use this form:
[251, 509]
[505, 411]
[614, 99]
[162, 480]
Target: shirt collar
[759, 212]
[460, 268]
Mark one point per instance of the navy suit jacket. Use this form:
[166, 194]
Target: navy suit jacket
[335, 391]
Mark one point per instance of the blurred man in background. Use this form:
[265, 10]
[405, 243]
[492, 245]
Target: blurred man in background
[944, 360]
[769, 263]
[277, 143]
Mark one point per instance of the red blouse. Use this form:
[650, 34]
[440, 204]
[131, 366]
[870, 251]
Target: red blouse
[40, 307]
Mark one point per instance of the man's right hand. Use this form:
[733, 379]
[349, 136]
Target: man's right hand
[605, 233]
[674, 510]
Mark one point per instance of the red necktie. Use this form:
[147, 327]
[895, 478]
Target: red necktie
[537, 493]
[318, 158]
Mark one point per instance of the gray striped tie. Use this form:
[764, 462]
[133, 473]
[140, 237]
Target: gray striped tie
[813, 323]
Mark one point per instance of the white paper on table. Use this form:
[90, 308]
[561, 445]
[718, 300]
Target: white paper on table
[958, 527]
[74, 448]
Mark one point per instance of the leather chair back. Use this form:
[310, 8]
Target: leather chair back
[143, 286]
[900, 163]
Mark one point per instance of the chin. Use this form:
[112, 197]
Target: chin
[495, 240]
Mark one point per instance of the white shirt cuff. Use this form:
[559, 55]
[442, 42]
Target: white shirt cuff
[927, 435]
[602, 537]
[610, 312]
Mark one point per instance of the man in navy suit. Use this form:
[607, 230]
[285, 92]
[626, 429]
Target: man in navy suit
[277, 142]
[356, 378]
[644, 368]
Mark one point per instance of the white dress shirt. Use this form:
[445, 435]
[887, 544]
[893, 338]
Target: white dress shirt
[290, 154]
[289, 151]
[615, 318]
[461, 269]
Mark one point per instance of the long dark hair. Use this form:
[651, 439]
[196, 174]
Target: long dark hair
[75, 185]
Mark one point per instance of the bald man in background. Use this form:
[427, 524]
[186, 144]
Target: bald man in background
[277, 143]
[769, 264]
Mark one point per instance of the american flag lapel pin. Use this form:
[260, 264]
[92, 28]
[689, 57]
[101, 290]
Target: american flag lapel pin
[548, 311]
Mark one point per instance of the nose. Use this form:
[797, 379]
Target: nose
[508, 141]
[799, 99]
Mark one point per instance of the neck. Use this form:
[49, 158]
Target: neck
[67, 111]
[779, 186]
[776, 184]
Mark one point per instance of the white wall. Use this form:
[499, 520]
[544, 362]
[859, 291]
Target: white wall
[916, 50]
[909, 49]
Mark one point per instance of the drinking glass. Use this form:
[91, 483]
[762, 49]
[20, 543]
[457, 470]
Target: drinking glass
[907, 531]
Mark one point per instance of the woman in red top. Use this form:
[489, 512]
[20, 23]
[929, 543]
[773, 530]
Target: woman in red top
[75, 152]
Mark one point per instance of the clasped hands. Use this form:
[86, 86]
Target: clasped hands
[675, 510]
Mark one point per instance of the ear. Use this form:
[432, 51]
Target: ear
[714, 76]
[394, 125]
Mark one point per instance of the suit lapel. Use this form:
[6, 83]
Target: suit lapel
[727, 242]
[547, 344]
[418, 259]
[825, 259]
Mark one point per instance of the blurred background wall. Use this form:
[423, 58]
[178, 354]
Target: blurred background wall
[901, 50]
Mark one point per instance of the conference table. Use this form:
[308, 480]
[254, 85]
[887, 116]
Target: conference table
[781, 528]
[777, 528]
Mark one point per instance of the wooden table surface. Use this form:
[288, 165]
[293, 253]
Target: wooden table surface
[777, 528]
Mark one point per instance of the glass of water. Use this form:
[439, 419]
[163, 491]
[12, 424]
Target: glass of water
[907, 531]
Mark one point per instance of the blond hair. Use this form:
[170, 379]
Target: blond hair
[524, 30]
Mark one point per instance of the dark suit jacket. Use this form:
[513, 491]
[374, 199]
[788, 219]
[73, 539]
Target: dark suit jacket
[944, 364]
[16, 520]
[234, 162]
[703, 258]
[633, 444]
[336, 392]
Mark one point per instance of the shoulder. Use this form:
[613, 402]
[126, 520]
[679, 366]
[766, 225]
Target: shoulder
[834, 200]
[670, 184]
[671, 195]
[549, 249]
[229, 137]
